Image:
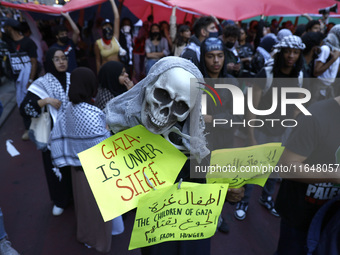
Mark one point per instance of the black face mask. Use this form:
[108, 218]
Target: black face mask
[229, 45]
[155, 35]
[213, 34]
[63, 39]
[107, 33]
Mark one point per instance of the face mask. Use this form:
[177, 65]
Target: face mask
[63, 39]
[213, 34]
[126, 29]
[155, 35]
[107, 33]
[229, 45]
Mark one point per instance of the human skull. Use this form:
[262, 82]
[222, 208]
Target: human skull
[168, 100]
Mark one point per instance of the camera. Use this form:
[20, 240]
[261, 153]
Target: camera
[333, 8]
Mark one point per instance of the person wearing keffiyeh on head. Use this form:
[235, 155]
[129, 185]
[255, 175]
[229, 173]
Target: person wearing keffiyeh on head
[113, 81]
[288, 63]
[51, 91]
[79, 128]
[327, 65]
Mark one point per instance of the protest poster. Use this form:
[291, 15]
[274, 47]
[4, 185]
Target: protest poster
[246, 165]
[188, 212]
[126, 166]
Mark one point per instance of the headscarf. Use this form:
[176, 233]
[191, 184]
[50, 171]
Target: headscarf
[124, 111]
[50, 67]
[211, 44]
[83, 85]
[109, 77]
[283, 33]
[333, 38]
[292, 42]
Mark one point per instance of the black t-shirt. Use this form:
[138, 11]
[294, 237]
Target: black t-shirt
[316, 137]
[24, 45]
[281, 81]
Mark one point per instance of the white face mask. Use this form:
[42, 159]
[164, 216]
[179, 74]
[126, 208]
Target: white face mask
[126, 29]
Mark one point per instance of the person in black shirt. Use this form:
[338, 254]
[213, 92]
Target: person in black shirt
[17, 42]
[287, 64]
[310, 149]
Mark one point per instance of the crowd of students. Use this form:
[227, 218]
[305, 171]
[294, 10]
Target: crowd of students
[120, 56]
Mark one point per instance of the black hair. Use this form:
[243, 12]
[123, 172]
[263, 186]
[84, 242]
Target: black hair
[164, 22]
[300, 29]
[125, 19]
[311, 39]
[279, 62]
[231, 30]
[202, 22]
[60, 28]
[161, 25]
[83, 85]
[311, 23]
[179, 41]
[160, 36]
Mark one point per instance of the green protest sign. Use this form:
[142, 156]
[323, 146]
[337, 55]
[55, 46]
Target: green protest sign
[169, 214]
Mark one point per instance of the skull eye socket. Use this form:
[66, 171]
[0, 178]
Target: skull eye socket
[180, 107]
[162, 96]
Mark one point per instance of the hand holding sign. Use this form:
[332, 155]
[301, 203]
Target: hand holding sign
[119, 168]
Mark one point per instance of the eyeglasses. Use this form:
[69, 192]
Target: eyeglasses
[59, 59]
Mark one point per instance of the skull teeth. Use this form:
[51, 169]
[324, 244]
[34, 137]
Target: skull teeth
[157, 122]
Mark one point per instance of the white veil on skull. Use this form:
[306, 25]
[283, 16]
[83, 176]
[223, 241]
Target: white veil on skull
[124, 111]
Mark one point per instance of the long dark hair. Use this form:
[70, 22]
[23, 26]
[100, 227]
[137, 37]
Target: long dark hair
[158, 38]
[179, 40]
[279, 62]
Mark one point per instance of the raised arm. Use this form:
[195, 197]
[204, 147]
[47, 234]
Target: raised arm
[116, 20]
[76, 32]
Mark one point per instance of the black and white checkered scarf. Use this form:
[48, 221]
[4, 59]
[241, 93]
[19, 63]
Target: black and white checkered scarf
[79, 127]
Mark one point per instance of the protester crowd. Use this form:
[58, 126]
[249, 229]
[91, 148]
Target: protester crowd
[67, 58]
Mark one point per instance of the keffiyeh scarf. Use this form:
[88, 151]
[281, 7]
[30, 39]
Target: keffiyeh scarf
[79, 127]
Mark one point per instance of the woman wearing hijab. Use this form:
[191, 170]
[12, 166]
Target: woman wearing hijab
[80, 127]
[107, 47]
[113, 81]
[51, 91]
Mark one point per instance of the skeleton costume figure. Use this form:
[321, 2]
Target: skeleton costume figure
[162, 102]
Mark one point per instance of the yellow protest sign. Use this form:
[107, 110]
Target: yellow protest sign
[246, 165]
[118, 169]
[170, 214]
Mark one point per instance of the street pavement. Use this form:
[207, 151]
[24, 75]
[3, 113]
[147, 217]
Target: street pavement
[33, 230]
